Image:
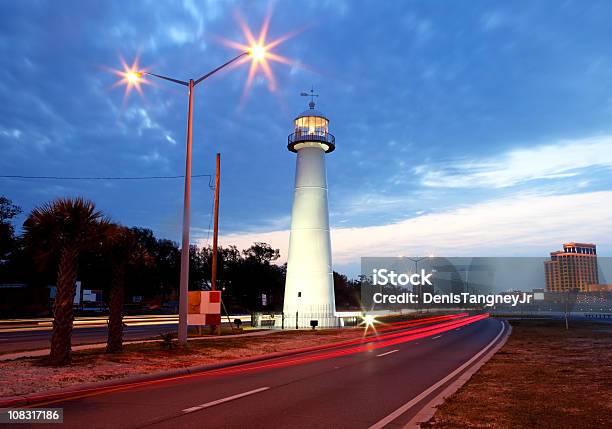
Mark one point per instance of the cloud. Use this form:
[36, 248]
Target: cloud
[13, 133]
[180, 36]
[521, 225]
[565, 158]
[422, 29]
[170, 139]
[493, 20]
[140, 120]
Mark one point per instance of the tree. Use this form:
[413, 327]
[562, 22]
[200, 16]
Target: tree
[122, 247]
[262, 253]
[155, 282]
[8, 211]
[256, 276]
[347, 292]
[63, 229]
[199, 267]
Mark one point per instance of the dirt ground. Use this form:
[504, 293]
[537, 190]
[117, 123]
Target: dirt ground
[544, 377]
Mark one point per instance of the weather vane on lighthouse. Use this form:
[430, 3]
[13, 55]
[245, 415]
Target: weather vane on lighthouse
[312, 96]
[309, 285]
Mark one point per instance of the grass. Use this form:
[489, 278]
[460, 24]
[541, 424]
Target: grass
[543, 377]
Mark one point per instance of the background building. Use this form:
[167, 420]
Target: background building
[573, 268]
[599, 288]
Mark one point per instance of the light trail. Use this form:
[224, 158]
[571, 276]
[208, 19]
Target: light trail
[394, 339]
[381, 341]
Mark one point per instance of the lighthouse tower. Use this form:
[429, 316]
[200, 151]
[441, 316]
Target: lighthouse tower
[309, 288]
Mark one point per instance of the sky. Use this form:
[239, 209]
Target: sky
[474, 128]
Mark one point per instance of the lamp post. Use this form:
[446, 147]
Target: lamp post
[416, 268]
[184, 279]
[258, 49]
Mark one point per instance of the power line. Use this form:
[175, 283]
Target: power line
[100, 178]
[19, 176]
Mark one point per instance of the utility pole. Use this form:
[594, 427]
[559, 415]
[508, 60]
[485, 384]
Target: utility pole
[213, 276]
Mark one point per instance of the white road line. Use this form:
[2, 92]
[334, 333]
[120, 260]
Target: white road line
[408, 405]
[458, 329]
[221, 401]
[437, 336]
[388, 353]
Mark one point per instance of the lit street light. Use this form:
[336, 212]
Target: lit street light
[184, 279]
[133, 76]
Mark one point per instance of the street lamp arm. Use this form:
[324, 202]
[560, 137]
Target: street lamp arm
[182, 82]
[207, 75]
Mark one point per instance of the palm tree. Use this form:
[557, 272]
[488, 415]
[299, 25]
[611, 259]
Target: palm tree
[62, 229]
[124, 249]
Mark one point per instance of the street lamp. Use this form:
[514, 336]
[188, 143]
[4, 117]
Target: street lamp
[133, 77]
[258, 50]
[416, 268]
[184, 280]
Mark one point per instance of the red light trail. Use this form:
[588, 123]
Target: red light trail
[447, 323]
[381, 342]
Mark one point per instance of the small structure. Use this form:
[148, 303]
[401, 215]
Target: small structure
[204, 308]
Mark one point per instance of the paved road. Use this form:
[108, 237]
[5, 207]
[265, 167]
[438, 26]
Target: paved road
[33, 340]
[313, 390]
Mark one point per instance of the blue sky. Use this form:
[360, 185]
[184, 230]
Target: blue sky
[462, 128]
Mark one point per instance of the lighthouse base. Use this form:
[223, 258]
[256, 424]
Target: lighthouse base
[324, 317]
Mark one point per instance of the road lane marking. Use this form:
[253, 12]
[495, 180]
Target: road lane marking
[437, 336]
[408, 405]
[458, 329]
[388, 353]
[221, 401]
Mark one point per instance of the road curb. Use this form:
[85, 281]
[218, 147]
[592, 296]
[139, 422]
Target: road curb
[93, 388]
[428, 410]
[95, 346]
[98, 387]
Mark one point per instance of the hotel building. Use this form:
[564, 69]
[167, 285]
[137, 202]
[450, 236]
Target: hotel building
[573, 268]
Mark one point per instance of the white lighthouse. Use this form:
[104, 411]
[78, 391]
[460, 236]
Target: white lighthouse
[309, 288]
